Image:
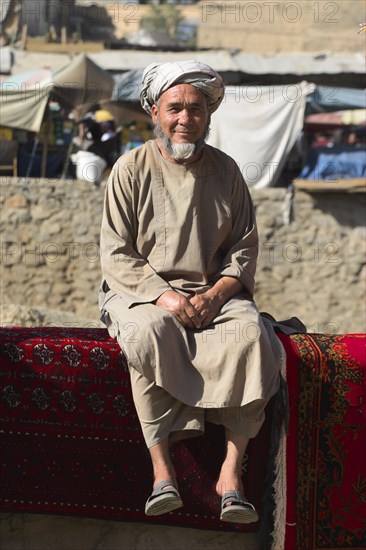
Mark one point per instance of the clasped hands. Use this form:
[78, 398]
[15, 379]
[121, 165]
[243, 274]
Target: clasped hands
[194, 312]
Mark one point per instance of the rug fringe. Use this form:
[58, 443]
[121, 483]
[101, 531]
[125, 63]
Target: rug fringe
[279, 486]
[280, 480]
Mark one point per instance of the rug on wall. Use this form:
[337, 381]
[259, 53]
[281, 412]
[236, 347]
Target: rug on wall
[71, 442]
[326, 444]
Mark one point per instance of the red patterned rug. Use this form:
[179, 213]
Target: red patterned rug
[71, 443]
[326, 445]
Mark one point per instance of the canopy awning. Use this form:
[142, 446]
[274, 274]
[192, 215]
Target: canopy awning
[24, 97]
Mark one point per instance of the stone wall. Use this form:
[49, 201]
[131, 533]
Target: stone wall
[312, 268]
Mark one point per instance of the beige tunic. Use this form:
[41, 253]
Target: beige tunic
[168, 226]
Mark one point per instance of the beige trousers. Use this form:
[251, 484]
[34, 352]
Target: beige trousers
[162, 415]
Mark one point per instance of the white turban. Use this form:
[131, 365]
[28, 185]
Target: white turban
[159, 77]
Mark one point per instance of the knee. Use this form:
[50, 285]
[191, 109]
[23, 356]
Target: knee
[160, 325]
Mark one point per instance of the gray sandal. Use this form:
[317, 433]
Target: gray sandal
[236, 508]
[163, 500]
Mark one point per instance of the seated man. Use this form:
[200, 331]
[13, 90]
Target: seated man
[178, 248]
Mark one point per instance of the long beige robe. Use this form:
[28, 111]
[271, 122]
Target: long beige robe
[168, 226]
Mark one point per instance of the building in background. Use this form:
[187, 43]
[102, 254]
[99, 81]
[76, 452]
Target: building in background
[258, 27]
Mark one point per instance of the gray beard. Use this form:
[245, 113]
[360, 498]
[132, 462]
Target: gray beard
[180, 151]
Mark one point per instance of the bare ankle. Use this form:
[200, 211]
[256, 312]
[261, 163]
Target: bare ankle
[229, 480]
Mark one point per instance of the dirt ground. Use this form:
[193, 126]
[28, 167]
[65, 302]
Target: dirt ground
[46, 532]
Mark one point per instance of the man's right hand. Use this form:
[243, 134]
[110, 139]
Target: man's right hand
[180, 307]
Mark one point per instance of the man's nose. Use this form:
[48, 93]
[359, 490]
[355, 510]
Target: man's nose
[184, 116]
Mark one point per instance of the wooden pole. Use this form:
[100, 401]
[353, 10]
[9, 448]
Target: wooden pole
[23, 40]
[31, 160]
[63, 35]
[68, 152]
[45, 144]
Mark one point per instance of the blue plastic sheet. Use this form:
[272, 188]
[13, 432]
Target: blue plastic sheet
[334, 163]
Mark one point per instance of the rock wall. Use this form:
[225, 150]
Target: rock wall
[312, 268]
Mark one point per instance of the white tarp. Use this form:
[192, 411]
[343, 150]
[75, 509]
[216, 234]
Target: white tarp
[258, 126]
[23, 108]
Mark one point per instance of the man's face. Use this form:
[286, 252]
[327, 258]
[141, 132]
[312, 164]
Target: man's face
[182, 114]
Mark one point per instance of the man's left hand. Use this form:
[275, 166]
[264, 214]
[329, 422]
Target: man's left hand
[207, 304]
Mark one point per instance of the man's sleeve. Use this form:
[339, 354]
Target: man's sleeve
[240, 260]
[124, 270]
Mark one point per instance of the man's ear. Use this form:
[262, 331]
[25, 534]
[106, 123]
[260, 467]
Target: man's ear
[154, 113]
